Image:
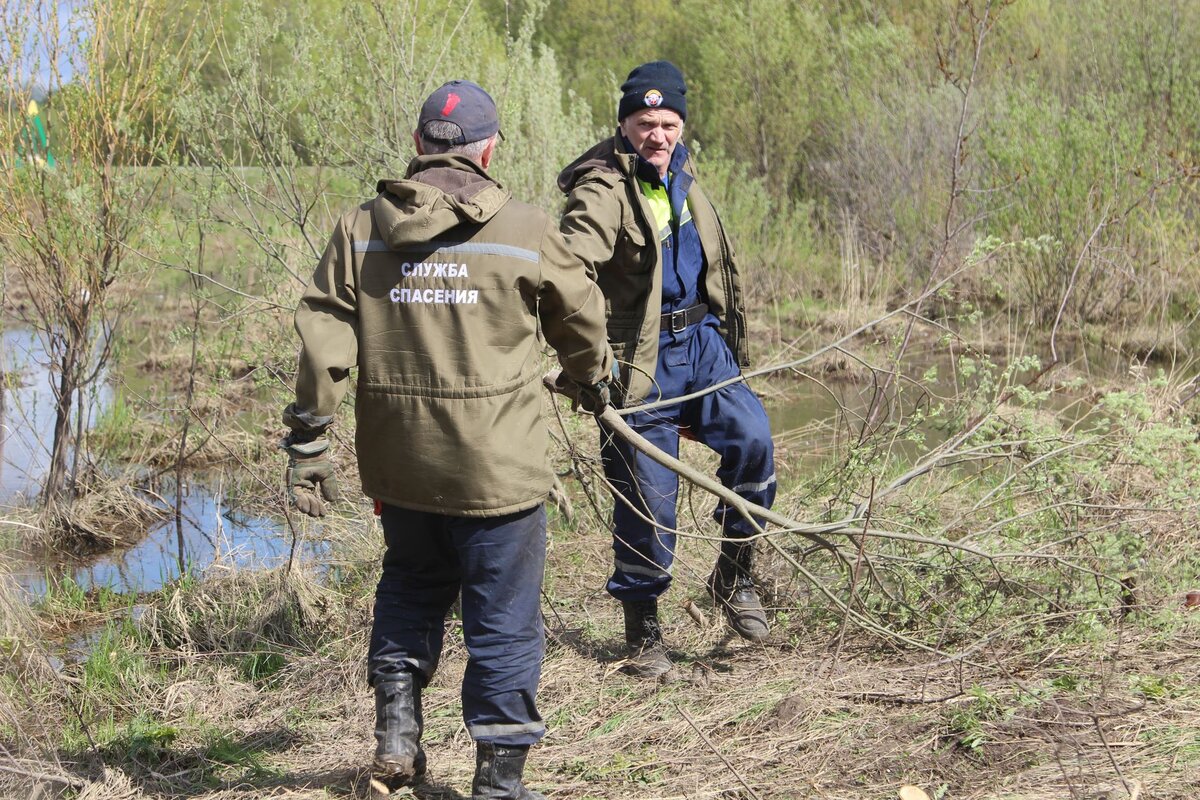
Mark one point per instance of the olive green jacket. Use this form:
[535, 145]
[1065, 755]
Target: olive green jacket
[609, 224]
[436, 291]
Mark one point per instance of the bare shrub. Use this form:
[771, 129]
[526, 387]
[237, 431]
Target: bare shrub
[67, 230]
[887, 169]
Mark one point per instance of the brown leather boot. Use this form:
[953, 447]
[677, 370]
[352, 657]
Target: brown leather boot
[647, 655]
[732, 588]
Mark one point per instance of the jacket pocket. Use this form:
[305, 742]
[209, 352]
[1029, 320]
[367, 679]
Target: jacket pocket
[635, 253]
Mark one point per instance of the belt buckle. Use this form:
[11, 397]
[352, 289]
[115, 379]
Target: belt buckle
[681, 315]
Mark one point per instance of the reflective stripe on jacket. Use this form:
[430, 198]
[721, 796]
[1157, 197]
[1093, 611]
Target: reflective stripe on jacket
[436, 291]
[610, 224]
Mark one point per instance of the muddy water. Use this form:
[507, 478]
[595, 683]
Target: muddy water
[212, 533]
[815, 415]
[818, 412]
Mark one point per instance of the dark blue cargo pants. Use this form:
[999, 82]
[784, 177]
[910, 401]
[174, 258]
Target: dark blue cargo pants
[731, 421]
[497, 562]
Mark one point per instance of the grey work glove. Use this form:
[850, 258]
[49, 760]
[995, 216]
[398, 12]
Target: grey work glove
[310, 476]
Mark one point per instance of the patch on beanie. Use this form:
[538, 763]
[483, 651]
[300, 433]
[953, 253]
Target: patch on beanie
[653, 98]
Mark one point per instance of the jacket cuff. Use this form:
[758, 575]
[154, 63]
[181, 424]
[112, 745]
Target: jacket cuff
[305, 426]
[304, 448]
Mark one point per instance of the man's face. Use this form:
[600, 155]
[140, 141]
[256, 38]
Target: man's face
[653, 133]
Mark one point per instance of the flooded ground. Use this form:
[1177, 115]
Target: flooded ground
[810, 414]
[212, 533]
[814, 410]
[27, 415]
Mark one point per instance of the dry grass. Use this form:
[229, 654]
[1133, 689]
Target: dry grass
[782, 720]
[237, 611]
[254, 682]
[107, 514]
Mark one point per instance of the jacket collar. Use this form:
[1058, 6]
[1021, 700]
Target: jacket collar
[438, 194]
[455, 161]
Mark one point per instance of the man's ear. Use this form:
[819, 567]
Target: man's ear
[417, 142]
[486, 158]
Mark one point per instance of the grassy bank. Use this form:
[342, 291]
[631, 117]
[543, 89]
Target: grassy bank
[1020, 631]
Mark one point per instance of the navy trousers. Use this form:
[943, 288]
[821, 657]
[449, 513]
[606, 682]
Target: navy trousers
[497, 563]
[732, 421]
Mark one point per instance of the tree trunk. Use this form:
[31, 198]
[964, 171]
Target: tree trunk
[55, 487]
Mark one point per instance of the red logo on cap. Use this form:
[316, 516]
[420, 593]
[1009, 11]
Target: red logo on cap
[451, 101]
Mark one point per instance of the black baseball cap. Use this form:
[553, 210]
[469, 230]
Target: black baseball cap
[465, 104]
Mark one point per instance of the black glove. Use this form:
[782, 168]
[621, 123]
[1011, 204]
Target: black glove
[596, 397]
[310, 476]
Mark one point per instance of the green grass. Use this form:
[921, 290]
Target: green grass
[641, 766]
[260, 666]
[1157, 688]
[64, 596]
[118, 427]
[226, 748]
[116, 662]
[145, 739]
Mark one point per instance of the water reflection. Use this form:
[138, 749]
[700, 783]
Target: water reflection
[212, 533]
[27, 414]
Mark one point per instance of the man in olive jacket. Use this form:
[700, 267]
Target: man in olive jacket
[653, 242]
[435, 290]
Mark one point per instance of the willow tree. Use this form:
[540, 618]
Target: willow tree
[68, 230]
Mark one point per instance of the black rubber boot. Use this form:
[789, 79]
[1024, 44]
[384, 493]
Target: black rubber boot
[399, 759]
[647, 655]
[498, 771]
[732, 588]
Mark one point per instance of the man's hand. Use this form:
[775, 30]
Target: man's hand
[596, 397]
[593, 398]
[310, 476]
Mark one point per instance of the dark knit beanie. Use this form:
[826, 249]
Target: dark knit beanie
[658, 84]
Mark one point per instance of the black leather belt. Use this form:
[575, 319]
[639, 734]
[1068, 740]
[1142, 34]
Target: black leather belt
[677, 321]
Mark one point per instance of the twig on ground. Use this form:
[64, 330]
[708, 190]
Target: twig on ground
[716, 752]
[854, 575]
[66, 780]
